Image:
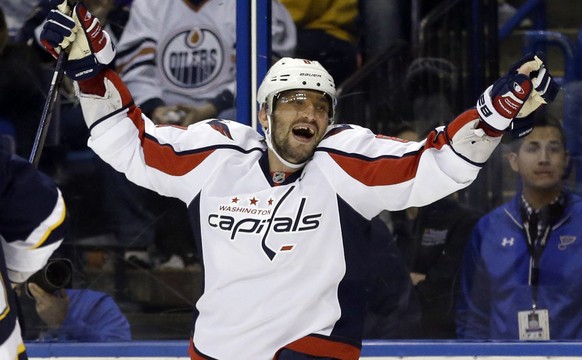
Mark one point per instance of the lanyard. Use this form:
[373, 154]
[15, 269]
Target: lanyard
[535, 247]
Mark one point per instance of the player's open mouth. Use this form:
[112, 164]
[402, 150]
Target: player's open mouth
[303, 132]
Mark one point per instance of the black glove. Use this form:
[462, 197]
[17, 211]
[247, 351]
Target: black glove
[521, 127]
[90, 48]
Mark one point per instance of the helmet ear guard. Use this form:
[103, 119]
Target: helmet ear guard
[293, 74]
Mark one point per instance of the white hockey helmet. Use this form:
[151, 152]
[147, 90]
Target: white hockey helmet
[290, 74]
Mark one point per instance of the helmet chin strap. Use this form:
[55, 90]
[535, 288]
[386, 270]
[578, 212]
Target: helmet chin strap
[272, 148]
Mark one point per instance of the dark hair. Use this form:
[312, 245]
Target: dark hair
[542, 120]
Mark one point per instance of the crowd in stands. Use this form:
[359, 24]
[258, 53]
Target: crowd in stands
[442, 271]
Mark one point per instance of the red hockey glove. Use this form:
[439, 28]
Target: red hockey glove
[545, 91]
[526, 86]
[503, 100]
[90, 48]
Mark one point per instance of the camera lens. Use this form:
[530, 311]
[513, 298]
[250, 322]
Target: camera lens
[56, 274]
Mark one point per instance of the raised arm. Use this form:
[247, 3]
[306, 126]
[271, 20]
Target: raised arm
[405, 174]
[160, 158]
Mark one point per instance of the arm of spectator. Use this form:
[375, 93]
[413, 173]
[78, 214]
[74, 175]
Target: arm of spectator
[94, 316]
[184, 114]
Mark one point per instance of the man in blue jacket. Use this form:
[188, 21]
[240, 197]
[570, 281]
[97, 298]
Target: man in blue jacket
[520, 270]
[79, 315]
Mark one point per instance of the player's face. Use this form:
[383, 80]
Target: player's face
[299, 123]
[541, 161]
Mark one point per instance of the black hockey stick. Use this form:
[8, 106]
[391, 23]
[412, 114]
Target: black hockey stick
[47, 110]
[49, 104]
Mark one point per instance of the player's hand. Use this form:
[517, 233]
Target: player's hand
[526, 86]
[503, 100]
[521, 127]
[545, 88]
[90, 48]
[58, 30]
[52, 309]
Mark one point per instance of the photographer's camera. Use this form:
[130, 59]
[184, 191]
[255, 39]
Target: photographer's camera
[56, 274]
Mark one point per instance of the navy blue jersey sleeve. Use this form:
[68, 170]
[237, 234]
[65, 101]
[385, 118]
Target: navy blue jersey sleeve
[32, 216]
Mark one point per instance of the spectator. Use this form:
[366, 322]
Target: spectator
[32, 225]
[284, 220]
[523, 258]
[392, 307]
[432, 239]
[327, 32]
[178, 58]
[74, 315]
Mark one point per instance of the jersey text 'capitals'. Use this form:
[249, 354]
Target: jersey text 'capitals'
[259, 223]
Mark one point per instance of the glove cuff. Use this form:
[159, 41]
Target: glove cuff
[488, 114]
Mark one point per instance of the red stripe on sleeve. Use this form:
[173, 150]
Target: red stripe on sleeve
[390, 170]
[163, 157]
[382, 171]
[462, 120]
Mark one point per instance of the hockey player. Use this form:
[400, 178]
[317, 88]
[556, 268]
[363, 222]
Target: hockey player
[178, 60]
[32, 226]
[281, 221]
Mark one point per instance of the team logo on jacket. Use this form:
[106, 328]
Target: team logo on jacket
[566, 240]
[192, 59]
[245, 215]
[507, 241]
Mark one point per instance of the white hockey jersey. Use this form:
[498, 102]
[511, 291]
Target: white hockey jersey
[285, 265]
[183, 53]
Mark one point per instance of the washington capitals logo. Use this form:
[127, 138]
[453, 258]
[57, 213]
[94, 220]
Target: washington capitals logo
[244, 216]
[221, 127]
